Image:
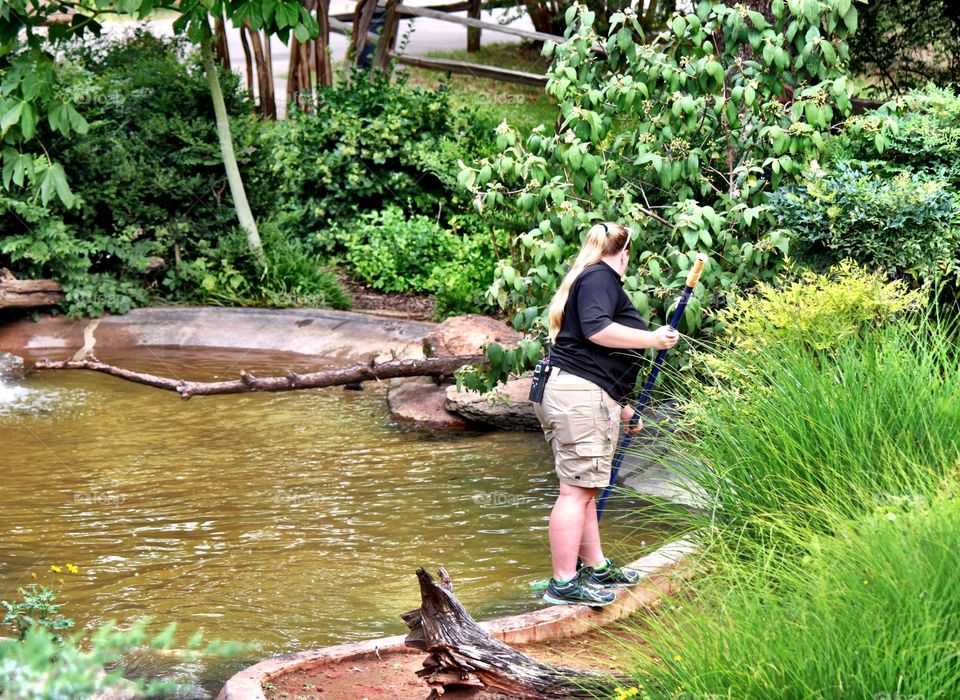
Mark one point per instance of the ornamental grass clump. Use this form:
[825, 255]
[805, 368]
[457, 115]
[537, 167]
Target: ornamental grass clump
[802, 439]
[831, 525]
[870, 611]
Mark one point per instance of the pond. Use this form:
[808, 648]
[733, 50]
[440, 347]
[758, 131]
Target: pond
[288, 521]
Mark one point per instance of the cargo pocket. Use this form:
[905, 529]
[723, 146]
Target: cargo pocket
[596, 451]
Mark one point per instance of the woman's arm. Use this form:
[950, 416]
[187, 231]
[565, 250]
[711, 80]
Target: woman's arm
[617, 335]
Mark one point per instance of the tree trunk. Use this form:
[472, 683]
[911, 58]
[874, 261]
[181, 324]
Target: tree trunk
[464, 657]
[324, 69]
[438, 367]
[244, 214]
[268, 103]
[248, 59]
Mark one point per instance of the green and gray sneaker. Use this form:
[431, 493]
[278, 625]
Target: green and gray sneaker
[609, 575]
[577, 592]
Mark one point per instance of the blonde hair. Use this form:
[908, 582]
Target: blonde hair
[602, 240]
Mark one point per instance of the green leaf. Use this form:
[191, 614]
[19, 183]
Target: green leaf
[679, 26]
[850, 19]
[28, 121]
[11, 115]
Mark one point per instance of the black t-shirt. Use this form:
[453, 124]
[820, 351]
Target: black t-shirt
[596, 300]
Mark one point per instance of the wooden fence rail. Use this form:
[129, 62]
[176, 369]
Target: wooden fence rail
[361, 37]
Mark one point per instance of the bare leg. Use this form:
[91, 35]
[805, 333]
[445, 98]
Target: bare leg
[590, 550]
[567, 523]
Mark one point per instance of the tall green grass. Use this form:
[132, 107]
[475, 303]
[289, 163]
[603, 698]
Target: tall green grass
[870, 612]
[830, 538]
[806, 439]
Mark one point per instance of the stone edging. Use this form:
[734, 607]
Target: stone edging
[554, 622]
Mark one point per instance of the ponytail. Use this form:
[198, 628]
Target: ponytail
[602, 240]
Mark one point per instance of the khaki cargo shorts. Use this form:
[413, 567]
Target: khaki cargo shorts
[581, 424]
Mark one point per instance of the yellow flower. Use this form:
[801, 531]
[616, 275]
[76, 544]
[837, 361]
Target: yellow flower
[865, 582]
[677, 657]
[73, 568]
[55, 569]
[33, 575]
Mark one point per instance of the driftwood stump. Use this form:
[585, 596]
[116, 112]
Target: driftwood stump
[464, 658]
[25, 294]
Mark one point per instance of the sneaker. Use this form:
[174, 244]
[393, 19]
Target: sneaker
[577, 592]
[609, 575]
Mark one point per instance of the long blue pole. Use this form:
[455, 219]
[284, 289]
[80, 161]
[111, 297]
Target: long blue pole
[627, 438]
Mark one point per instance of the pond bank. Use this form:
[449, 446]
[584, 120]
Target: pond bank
[386, 669]
[339, 337]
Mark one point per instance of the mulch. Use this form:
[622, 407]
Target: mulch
[418, 307]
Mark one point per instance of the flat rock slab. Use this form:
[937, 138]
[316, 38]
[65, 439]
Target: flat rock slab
[507, 407]
[341, 337]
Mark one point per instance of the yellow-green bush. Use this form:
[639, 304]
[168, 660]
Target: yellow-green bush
[818, 309]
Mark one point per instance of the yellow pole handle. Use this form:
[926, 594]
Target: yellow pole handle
[696, 270]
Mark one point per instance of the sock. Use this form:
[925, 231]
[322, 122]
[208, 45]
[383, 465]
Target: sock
[600, 566]
[563, 583]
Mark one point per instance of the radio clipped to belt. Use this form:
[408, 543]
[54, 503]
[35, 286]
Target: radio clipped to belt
[541, 373]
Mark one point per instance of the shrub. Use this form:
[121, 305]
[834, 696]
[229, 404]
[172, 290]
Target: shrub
[228, 273]
[817, 311]
[97, 271]
[368, 142]
[460, 283]
[918, 133]
[391, 252]
[148, 178]
[905, 226]
[680, 138]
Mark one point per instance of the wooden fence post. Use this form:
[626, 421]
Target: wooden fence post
[362, 18]
[388, 37]
[473, 33]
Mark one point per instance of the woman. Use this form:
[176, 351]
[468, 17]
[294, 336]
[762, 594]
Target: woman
[593, 328]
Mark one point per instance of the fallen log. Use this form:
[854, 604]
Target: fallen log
[464, 657]
[437, 367]
[25, 294]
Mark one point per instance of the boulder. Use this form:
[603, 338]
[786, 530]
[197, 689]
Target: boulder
[418, 401]
[466, 335]
[507, 407]
[11, 367]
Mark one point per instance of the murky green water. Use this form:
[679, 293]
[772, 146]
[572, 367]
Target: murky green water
[289, 521]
